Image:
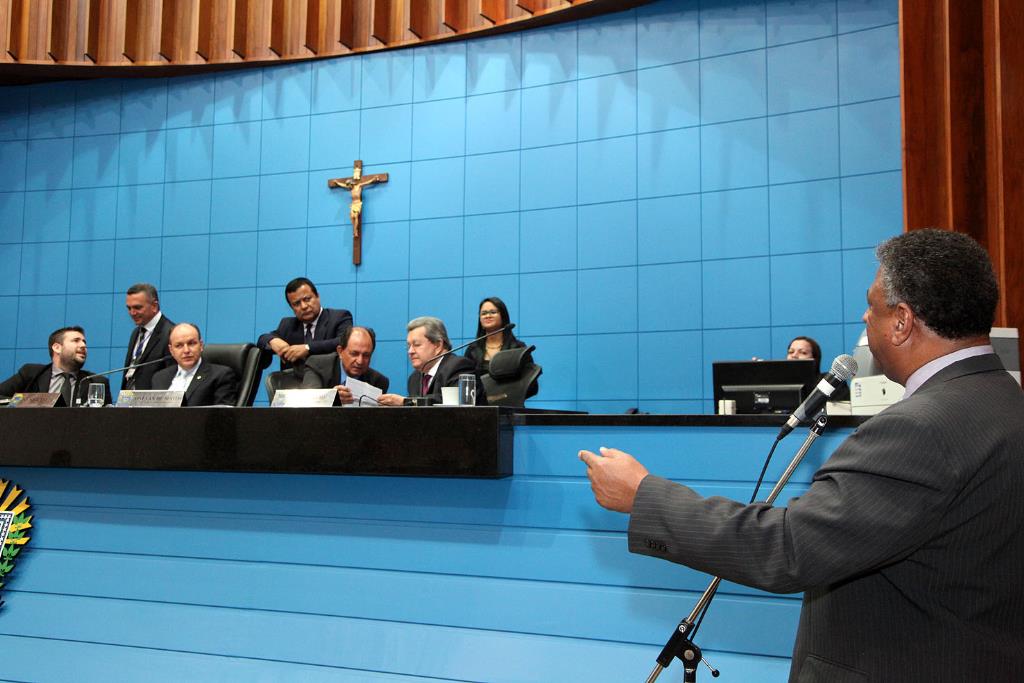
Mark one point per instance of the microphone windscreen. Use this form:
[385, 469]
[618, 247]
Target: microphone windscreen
[844, 367]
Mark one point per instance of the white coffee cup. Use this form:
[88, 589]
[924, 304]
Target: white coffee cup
[450, 396]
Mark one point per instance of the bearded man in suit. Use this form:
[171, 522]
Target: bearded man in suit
[909, 542]
[64, 373]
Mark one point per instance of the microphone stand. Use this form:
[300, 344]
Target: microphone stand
[679, 645]
[506, 328]
[81, 382]
[423, 400]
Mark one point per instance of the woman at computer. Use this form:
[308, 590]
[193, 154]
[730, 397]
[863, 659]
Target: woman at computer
[804, 348]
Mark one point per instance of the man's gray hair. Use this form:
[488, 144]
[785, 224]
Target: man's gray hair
[433, 328]
[144, 288]
[946, 278]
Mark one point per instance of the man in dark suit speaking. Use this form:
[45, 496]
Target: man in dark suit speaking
[427, 339]
[204, 383]
[909, 543]
[312, 330]
[62, 375]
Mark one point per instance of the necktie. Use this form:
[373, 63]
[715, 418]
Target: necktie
[425, 385]
[66, 388]
[308, 337]
[139, 343]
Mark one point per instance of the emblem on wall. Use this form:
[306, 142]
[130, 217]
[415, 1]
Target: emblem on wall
[14, 524]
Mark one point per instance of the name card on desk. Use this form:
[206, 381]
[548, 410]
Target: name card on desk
[303, 398]
[149, 398]
[36, 400]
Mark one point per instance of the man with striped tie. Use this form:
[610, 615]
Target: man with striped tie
[149, 338]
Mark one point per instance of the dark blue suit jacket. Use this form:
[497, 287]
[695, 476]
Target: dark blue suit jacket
[35, 377]
[325, 337]
[212, 385]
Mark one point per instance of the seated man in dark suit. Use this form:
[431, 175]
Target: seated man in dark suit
[353, 360]
[204, 384]
[312, 330]
[62, 375]
[427, 339]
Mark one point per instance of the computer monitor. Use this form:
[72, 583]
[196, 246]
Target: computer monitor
[764, 386]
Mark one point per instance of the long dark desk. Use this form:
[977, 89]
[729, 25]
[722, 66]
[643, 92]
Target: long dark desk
[445, 442]
[448, 442]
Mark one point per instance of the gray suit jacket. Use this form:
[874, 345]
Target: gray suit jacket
[908, 545]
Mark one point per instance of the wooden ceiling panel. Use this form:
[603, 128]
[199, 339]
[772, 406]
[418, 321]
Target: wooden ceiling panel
[43, 39]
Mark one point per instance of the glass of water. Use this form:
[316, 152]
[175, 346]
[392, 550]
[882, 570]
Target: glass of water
[97, 394]
[467, 389]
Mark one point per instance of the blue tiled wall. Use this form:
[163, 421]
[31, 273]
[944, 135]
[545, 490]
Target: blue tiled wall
[648, 191]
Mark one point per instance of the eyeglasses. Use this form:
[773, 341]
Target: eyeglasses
[489, 311]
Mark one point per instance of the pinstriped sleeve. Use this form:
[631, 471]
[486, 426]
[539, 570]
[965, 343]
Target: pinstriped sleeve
[877, 498]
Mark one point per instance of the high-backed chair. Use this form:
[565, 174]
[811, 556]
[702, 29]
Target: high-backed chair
[315, 373]
[511, 376]
[246, 360]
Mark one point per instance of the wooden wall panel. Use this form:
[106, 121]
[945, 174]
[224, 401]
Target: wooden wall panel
[252, 29]
[347, 24]
[495, 11]
[288, 29]
[67, 42]
[382, 14]
[30, 31]
[216, 30]
[455, 15]
[142, 32]
[179, 31]
[5, 31]
[106, 31]
[1004, 124]
[963, 116]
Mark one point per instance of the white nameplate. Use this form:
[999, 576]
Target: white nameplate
[149, 398]
[303, 398]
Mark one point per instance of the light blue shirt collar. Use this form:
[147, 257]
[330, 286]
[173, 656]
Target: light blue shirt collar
[931, 368]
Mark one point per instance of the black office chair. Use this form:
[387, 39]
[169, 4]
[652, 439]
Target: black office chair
[511, 377]
[246, 360]
[314, 373]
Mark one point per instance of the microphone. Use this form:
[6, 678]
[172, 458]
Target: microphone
[162, 359]
[844, 367]
[506, 328]
[81, 382]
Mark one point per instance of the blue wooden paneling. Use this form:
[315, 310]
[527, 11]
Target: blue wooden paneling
[696, 117]
[441, 579]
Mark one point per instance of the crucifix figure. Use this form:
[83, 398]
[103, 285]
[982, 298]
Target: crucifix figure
[355, 185]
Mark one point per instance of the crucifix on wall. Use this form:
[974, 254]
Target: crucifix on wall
[355, 185]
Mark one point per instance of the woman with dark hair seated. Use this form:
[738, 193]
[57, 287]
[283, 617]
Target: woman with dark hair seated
[493, 315]
[804, 348]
